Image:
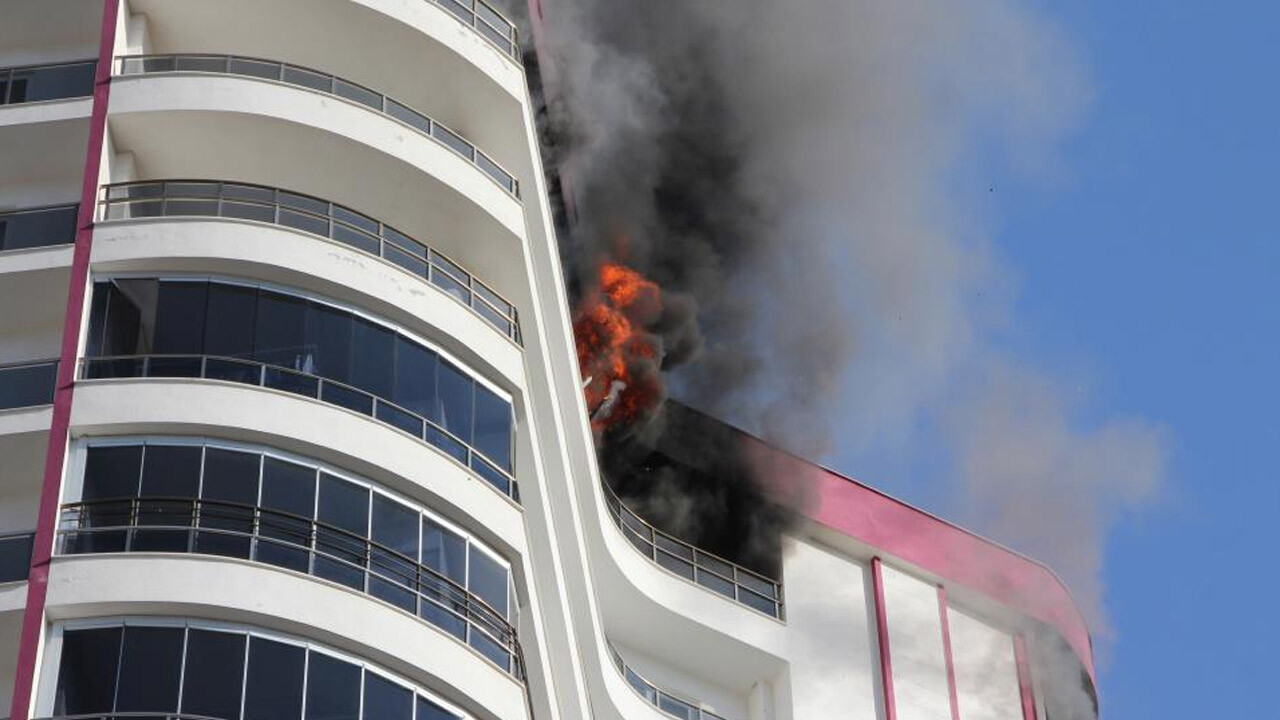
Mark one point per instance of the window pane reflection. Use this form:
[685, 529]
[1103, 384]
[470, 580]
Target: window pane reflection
[286, 332]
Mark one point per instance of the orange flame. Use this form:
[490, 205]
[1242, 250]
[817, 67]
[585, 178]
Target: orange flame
[618, 357]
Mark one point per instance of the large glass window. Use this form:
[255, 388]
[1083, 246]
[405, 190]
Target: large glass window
[231, 481]
[273, 682]
[231, 320]
[213, 674]
[150, 669]
[54, 82]
[141, 667]
[333, 689]
[228, 322]
[176, 495]
[290, 490]
[340, 554]
[170, 473]
[37, 228]
[87, 672]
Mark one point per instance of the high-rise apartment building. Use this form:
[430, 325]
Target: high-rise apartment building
[291, 424]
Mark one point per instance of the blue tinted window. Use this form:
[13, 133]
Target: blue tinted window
[444, 551]
[180, 315]
[214, 675]
[493, 427]
[428, 710]
[386, 700]
[112, 472]
[373, 362]
[274, 687]
[415, 388]
[329, 340]
[333, 689]
[230, 320]
[488, 579]
[456, 396]
[87, 672]
[150, 668]
[280, 330]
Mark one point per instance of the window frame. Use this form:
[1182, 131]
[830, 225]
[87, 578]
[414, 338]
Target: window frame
[53, 656]
[357, 312]
[73, 489]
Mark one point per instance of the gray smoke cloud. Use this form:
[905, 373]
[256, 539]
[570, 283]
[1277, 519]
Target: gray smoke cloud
[793, 175]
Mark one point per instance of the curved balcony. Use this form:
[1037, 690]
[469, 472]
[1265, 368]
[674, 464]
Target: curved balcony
[304, 213]
[212, 527]
[303, 77]
[251, 372]
[660, 699]
[709, 571]
[489, 23]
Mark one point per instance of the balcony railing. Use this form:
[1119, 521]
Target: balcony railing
[714, 573]
[15, 556]
[244, 201]
[664, 701]
[38, 227]
[29, 384]
[187, 525]
[321, 82]
[489, 23]
[35, 83]
[250, 372]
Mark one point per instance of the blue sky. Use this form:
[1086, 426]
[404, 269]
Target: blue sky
[1148, 267]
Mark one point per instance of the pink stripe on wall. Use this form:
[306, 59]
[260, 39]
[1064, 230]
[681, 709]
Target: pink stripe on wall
[946, 653]
[882, 632]
[56, 451]
[1024, 678]
[899, 530]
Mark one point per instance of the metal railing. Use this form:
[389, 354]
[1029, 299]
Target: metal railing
[28, 384]
[328, 84]
[489, 23]
[38, 227]
[710, 571]
[15, 556]
[664, 701]
[34, 83]
[252, 372]
[178, 524]
[260, 203]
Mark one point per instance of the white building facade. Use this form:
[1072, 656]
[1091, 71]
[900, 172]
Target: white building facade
[291, 424]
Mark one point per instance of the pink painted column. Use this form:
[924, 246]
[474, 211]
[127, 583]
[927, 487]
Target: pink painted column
[882, 632]
[946, 653]
[56, 452]
[1024, 678]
